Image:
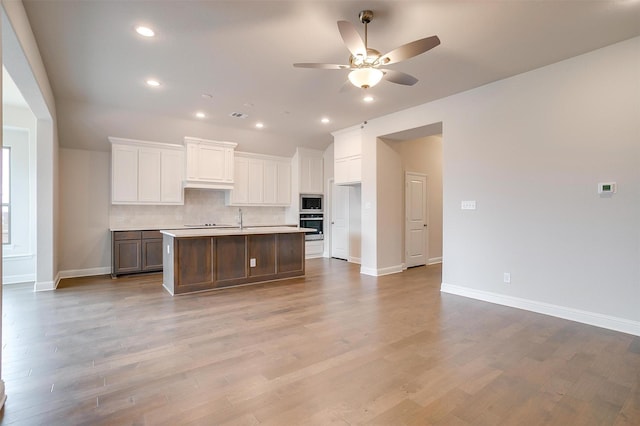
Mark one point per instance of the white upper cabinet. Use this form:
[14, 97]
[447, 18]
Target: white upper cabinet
[347, 163]
[311, 171]
[209, 164]
[146, 172]
[172, 166]
[260, 180]
[124, 173]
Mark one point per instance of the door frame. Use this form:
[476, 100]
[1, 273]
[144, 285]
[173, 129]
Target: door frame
[426, 215]
[329, 217]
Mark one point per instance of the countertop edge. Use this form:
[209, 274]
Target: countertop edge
[212, 232]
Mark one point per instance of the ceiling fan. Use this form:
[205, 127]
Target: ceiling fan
[365, 62]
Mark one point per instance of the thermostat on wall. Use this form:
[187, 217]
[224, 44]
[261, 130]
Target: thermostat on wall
[607, 188]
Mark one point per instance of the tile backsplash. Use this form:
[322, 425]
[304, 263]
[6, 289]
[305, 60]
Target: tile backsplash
[200, 206]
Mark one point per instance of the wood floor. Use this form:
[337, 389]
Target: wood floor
[335, 347]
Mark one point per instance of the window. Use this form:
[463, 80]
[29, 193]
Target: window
[6, 195]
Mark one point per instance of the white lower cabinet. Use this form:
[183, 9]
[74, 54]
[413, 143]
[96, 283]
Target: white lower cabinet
[313, 249]
[146, 172]
[260, 180]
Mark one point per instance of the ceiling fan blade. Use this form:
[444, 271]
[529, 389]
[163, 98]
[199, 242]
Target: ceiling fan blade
[399, 77]
[351, 38]
[346, 86]
[322, 66]
[409, 50]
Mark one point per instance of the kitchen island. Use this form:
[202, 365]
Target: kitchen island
[208, 259]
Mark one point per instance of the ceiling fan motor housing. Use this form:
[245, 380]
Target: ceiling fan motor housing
[365, 16]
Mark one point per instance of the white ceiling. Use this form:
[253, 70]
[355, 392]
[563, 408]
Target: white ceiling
[242, 52]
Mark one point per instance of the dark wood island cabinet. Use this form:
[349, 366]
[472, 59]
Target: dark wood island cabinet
[212, 259]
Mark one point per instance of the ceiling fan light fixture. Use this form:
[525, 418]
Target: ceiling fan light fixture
[365, 77]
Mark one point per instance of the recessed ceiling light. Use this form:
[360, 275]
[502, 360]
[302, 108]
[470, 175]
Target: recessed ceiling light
[153, 83]
[145, 31]
[368, 98]
[259, 125]
[325, 120]
[200, 114]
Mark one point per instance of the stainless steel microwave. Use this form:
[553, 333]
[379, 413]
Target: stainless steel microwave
[311, 203]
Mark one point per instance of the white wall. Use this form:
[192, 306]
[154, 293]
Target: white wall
[390, 208]
[84, 215]
[530, 150]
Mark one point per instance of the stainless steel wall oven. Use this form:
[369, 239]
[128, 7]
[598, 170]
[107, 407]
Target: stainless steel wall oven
[314, 221]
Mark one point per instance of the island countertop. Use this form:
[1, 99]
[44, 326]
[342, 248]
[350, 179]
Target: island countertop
[247, 230]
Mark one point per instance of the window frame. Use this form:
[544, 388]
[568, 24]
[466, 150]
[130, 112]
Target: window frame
[6, 171]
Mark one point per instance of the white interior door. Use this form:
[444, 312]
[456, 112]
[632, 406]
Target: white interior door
[416, 219]
[340, 222]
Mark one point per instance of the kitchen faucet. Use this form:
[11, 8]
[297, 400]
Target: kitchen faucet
[240, 219]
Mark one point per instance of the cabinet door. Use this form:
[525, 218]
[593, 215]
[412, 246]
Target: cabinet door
[348, 170]
[239, 193]
[149, 175]
[348, 144]
[341, 171]
[212, 163]
[192, 161]
[124, 174]
[262, 255]
[127, 257]
[355, 169]
[311, 176]
[270, 182]
[171, 177]
[152, 255]
[283, 190]
[228, 165]
[256, 181]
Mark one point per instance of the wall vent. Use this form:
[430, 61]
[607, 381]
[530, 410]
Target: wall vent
[238, 115]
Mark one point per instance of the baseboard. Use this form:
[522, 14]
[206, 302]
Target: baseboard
[434, 260]
[74, 273]
[18, 279]
[354, 260]
[47, 285]
[381, 271]
[577, 315]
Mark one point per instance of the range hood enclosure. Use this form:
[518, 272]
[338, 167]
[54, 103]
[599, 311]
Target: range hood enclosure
[208, 163]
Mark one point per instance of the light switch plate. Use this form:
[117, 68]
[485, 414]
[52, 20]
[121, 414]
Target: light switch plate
[468, 205]
[252, 262]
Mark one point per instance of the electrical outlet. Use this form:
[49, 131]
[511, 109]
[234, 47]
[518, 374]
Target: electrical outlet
[252, 262]
[507, 277]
